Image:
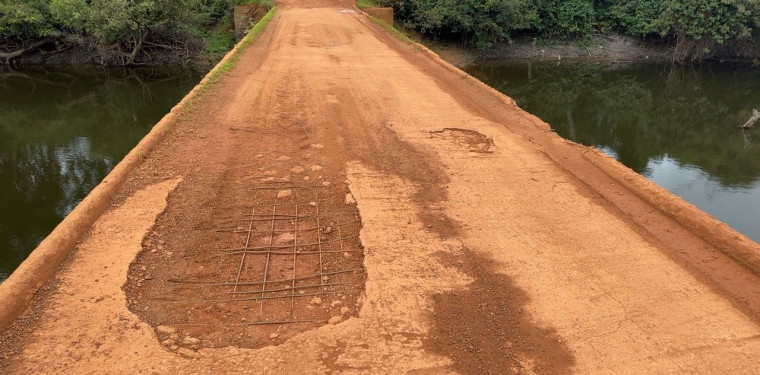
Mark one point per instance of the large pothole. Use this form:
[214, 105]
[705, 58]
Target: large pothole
[257, 271]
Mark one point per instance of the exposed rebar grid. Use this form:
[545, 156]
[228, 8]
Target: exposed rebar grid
[289, 229]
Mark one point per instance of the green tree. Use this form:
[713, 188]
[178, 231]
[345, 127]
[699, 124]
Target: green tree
[480, 22]
[25, 18]
[700, 26]
[633, 17]
[24, 25]
[564, 18]
[123, 26]
[121, 31]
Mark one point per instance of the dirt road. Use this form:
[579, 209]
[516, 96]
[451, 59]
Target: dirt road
[341, 202]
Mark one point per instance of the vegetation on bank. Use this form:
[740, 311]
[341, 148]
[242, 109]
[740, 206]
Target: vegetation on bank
[228, 65]
[394, 31]
[695, 29]
[124, 32]
[367, 3]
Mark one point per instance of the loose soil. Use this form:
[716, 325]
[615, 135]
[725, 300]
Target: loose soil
[486, 242]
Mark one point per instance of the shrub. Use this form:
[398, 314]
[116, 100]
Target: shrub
[633, 17]
[699, 26]
[480, 22]
[25, 18]
[118, 29]
[564, 18]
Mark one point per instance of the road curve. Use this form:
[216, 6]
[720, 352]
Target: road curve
[484, 243]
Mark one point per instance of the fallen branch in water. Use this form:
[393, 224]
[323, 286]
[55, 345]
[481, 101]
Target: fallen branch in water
[752, 120]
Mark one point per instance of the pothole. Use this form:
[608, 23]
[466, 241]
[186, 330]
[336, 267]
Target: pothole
[470, 140]
[287, 261]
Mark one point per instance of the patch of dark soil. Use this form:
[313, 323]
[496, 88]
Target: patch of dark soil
[485, 329]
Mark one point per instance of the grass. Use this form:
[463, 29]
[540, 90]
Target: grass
[367, 4]
[398, 34]
[221, 70]
[221, 39]
[264, 3]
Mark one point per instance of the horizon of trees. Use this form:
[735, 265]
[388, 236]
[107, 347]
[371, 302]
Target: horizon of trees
[127, 32]
[695, 29]
[122, 32]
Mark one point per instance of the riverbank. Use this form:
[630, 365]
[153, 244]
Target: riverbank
[202, 54]
[194, 57]
[614, 48]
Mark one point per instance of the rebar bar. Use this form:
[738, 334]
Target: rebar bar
[259, 282]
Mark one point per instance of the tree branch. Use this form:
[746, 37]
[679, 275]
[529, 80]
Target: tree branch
[128, 58]
[157, 45]
[752, 120]
[8, 56]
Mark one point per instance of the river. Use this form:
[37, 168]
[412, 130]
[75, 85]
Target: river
[678, 126]
[61, 132]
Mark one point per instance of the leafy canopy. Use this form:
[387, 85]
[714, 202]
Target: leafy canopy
[25, 18]
[697, 28]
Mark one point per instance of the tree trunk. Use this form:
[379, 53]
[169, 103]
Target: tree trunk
[8, 56]
[752, 120]
[128, 58]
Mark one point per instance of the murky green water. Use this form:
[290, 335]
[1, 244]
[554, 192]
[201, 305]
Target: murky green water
[676, 126]
[61, 132]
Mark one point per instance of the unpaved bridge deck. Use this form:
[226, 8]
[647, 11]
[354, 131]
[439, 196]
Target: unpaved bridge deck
[487, 244]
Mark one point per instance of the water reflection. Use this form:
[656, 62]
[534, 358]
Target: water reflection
[61, 132]
[676, 125]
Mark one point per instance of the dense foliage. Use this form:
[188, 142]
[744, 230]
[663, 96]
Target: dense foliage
[696, 28]
[558, 18]
[482, 22]
[121, 31]
[21, 18]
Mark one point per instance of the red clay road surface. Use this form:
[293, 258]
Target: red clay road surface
[343, 202]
